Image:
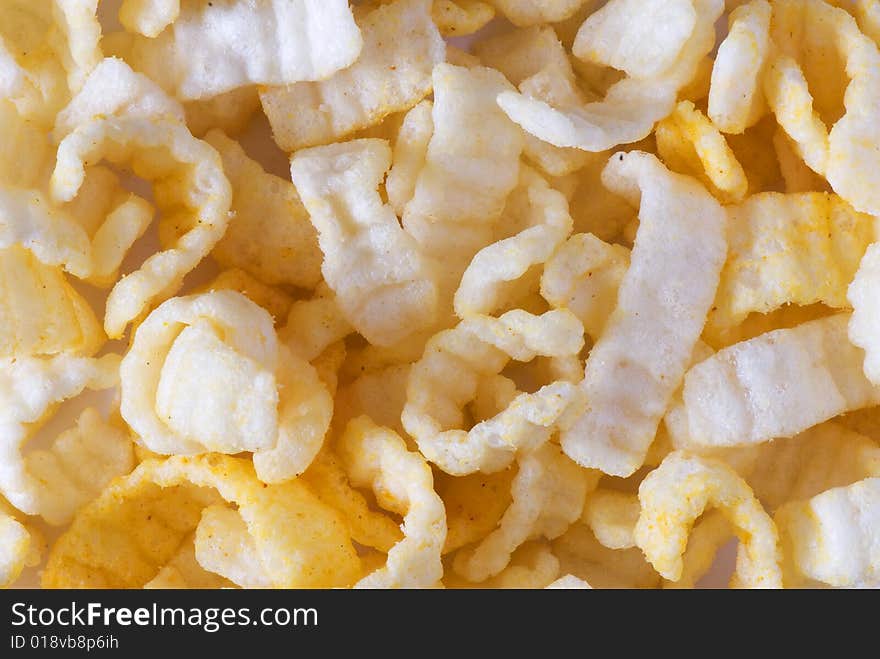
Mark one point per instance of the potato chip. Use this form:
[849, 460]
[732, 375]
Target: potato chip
[41, 313]
[675, 494]
[299, 542]
[711, 532]
[366, 526]
[392, 74]
[184, 571]
[612, 517]
[631, 106]
[496, 272]
[274, 300]
[736, 97]
[230, 112]
[473, 150]
[832, 538]
[474, 504]
[224, 546]
[380, 394]
[190, 184]
[733, 398]
[804, 93]
[584, 276]
[689, 143]
[630, 379]
[460, 17]
[393, 293]
[626, 35]
[30, 387]
[270, 236]
[148, 17]
[788, 249]
[206, 373]
[823, 457]
[377, 457]
[477, 348]
[533, 12]
[798, 177]
[410, 151]
[548, 495]
[532, 566]
[19, 549]
[535, 61]
[212, 48]
[863, 323]
[313, 325]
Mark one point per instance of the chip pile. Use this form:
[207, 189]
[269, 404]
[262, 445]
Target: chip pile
[574, 302]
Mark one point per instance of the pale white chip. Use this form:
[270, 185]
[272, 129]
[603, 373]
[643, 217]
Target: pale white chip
[612, 517]
[736, 97]
[402, 481]
[631, 106]
[16, 545]
[675, 494]
[832, 538]
[548, 495]
[569, 582]
[148, 17]
[410, 151]
[734, 397]
[864, 326]
[214, 47]
[315, 324]
[533, 12]
[392, 74]
[224, 545]
[640, 358]
[382, 282]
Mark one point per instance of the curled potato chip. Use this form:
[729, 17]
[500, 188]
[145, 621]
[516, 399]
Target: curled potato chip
[631, 106]
[675, 494]
[496, 271]
[275, 42]
[805, 94]
[710, 533]
[410, 150]
[476, 348]
[584, 276]
[392, 74]
[53, 483]
[736, 97]
[114, 89]
[535, 61]
[377, 457]
[314, 324]
[190, 184]
[689, 143]
[474, 150]
[455, 18]
[797, 175]
[206, 373]
[629, 379]
[223, 545]
[548, 495]
[788, 249]
[821, 458]
[40, 312]
[148, 17]
[382, 282]
[270, 236]
[298, 541]
[733, 398]
[274, 300]
[863, 324]
[612, 517]
[832, 538]
[532, 565]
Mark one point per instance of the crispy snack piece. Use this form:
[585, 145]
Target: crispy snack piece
[206, 373]
[410, 151]
[689, 143]
[474, 504]
[788, 249]
[736, 97]
[448, 375]
[54, 483]
[632, 106]
[274, 300]
[533, 12]
[639, 360]
[612, 516]
[382, 282]
[148, 17]
[675, 494]
[548, 494]
[270, 235]
[19, 545]
[804, 89]
[499, 273]
[189, 185]
[733, 398]
[377, 457]
[832, 538]
[137, 525]
[214, 47]
[315, 324]
[457, 18]
[863, 324]
[392, 74]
